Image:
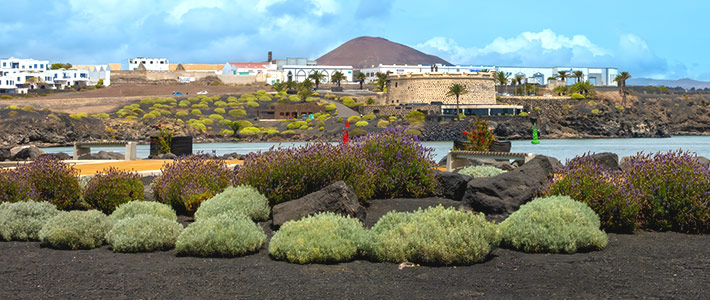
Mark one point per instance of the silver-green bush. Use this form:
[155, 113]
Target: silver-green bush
[321, 238]
[481, 171]
[22, 221]
[435, 235]
[553, 224]
[135, 208]
[227, 235]
[242, 199]
[143, 233]
[76, 230]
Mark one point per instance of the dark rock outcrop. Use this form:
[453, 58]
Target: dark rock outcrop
[164, 156]
[451, 185]
[30, 152]
[103, 155]
[337, 197]
[5, 154]
[607, 160]
[503, 194]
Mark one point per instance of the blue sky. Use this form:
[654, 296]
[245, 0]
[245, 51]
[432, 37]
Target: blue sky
[656, 39]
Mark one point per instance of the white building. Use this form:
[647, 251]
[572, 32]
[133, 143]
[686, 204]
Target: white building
[149, 64]
[298, 73]
[435, 68]
[540, 75]
[17, 76]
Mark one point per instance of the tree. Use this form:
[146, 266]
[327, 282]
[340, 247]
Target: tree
[304, 93]
[278, 86]
[291, 85]
[502, 78]
[583, 87]
[517, 80]
[316, 76]
[563, 75]
[235, 126]
[57, 66]
[578, 75]
[560, 90]
[457, 90]
[361, 78]
[381, 81]
[306, 84]
[99, 84]
[337, 77]
[621, 81]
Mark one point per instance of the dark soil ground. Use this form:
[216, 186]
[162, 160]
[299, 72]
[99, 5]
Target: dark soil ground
[642, 265]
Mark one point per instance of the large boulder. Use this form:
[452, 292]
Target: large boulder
[503, 194]
[30, 152]
[607, 160]
[5, 154]
[337, 197]
[451, 185]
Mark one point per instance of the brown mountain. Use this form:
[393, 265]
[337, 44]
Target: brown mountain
[366, 51]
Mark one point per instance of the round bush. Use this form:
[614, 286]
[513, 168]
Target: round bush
[321, 238]
[296, 125]
[189, 180]
[76, 230]
[13, 189]
[554, 224]
[383, 124]
[196, 112]
[481, 171]
[181, 114]
[143, 233]
[353, 119]
[111, 188]
[436, 235]
[216, 117]
[53, 181]
[226, 235]
[252, 104]
[361, 123]
[237, 113]
[241, 199]
[137, 208]
[22, 221]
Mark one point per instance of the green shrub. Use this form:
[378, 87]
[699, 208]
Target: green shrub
[393, 119]
[149, 116]
[237, 113]
[321, 238]
[220, 104]
[349, 102]
[227, 132]
[264, 98]
[136, 208]
[554, 224]
[619, 108]
[53, 181]
[354, 119]
[101, 116]
[253, 104]
[13, 188]
[22, 221]
[184, 103]
[5, 97]
[241, 199]
[383, 124]
[76, 230]
[436, 235]
[357, 132]
[189, 180]
[219, 110]
[369, 117]
[339, 120]
[227, 234]
[181, 114]
[216, 117]
[245, 123]
[576, 96]
[225, 122]
[199, 126]
[361, 124]
[591, 102]
[413, 132]
[200, 105]
[523, 114]
[196, 112]
[481, 171]
[296, 125]
[206, 121]
[288, 132]
[250, 130]
[112, 187]
[330, 107]
[415, 117]
[143, 233]
[596, 111]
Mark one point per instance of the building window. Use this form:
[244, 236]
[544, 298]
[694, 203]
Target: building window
[35, 66]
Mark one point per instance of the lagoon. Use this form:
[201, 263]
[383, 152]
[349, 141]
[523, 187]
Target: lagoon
[561, 149]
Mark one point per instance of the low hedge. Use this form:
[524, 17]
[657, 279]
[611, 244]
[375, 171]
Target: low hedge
[436, 235]
[556, 224]
[136, 208]
[143, 233]
[321, 238]
[241, 199]
[76, 230]
[481, 171]
[22, 221]
[226, 235]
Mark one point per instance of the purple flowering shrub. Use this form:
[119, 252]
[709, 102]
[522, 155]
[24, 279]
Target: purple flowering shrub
[12, 189]
[112, 187]
[52, 181]
[607, 193]
[189, 180]
[676, 190]
[662, 191]
[284, 174]
[403, 167]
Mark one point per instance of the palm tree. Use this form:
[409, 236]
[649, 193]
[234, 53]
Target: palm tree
[361, 78]
[621, 81]
[316, 76]
[381, 81]
[307, 84]
[563, 76]
[337, 77]
[578, 75]
[502, 78]
[291, 85]
[517, 80]
[457, 90]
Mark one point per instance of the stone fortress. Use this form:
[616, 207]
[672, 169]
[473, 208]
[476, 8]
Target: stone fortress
[424, 88]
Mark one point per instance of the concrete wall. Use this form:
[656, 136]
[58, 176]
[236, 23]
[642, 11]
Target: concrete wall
[433, 87]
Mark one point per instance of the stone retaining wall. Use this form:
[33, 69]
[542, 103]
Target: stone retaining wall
[433, 87]
[399, 110]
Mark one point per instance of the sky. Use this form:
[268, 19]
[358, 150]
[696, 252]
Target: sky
[651, 39]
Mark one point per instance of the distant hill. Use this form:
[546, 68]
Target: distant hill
[685, 83]
[365, 51]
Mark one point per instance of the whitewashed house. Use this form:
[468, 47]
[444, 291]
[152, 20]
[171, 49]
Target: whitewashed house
[299, 73]
[149, 64]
